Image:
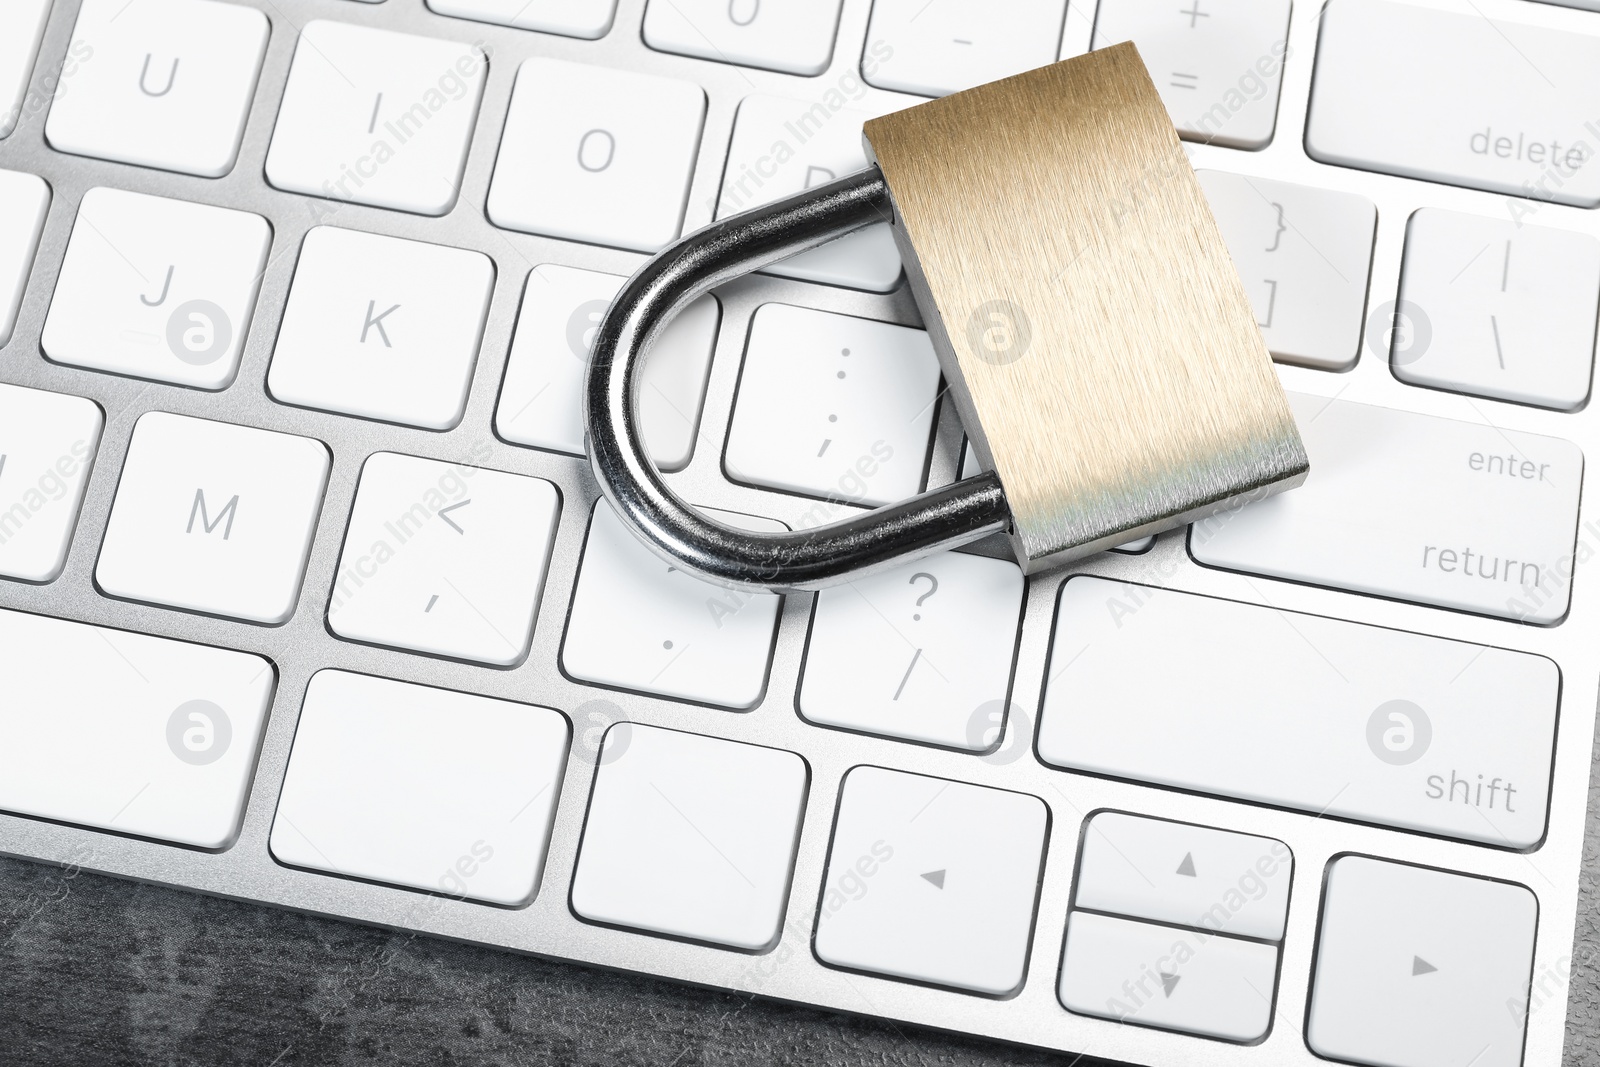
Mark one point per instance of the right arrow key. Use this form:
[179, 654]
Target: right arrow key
[1417, 967]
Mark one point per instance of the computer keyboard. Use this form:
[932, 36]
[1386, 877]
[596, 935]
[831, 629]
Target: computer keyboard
[307, 595]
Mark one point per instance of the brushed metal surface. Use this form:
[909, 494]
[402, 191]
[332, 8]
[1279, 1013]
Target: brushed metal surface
[547, 926]
[1099, 345]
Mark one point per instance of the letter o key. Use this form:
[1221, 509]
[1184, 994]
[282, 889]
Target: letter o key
[594, 145]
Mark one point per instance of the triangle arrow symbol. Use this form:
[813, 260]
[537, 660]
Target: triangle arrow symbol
[936, 878]
[1186, 868]
[1169, 982]
[1421, 966]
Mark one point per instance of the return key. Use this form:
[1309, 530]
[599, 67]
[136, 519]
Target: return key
[1454, 514]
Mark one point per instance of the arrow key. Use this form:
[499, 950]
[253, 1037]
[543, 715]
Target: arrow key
[1217, 880]
[1169, 978]
[932, 880]
[1419, 967]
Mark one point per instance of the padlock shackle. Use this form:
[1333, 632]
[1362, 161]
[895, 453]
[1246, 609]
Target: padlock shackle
[941, 518]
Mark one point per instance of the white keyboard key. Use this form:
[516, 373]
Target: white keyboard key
[1304, 255]
[376, 117]
[444, 558]
[638, 624]
[213, 517]
[921, 652]
[420, 787]
[1217, 66]
[1455, 514]
[127, 732]
[1390, 727]
[794, 36]
[1174, 872]
[1420, 968]
[597, 155]
[47, 445]
[382, 327]
[1157, 976]
[157, 288]
[588, 19]
[542, 401]
[1458, 98]
[939, 48]
[833, 406]
[951, 875]
[21, 27]
[818, 145]
[1509, 309]
[24, 200]
[970, 466]
[169, 84]
[690, 836]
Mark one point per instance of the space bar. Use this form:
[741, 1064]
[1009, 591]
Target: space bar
[1458, 98]
[1299, 711]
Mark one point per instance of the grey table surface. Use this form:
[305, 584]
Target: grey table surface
[95, 970]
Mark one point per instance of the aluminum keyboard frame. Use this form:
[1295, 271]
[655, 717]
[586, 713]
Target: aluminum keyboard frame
[547, 926]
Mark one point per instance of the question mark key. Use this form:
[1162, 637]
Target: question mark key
[881, 660]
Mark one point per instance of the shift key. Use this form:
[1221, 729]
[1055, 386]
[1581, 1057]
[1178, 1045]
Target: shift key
[1454, 514]
[1458, 97]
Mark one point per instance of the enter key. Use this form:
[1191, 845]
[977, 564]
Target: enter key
[1454, 514]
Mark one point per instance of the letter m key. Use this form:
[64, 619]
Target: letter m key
[207, 523]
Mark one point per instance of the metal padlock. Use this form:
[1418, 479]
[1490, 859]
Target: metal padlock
[1091, 326]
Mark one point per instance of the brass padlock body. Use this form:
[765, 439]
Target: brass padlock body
[1100, 348]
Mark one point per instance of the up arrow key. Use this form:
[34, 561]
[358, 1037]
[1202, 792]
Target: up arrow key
[1186, 868]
